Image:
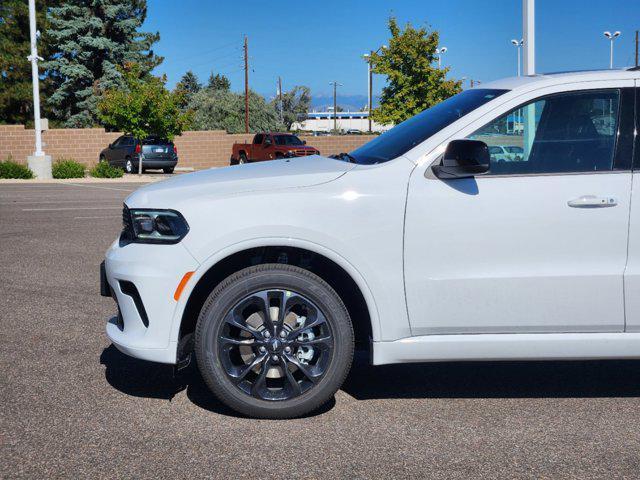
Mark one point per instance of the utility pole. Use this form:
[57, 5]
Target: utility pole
[368, 57]
[280, 98]
[39, 163]
[246, 85]
[335, 104]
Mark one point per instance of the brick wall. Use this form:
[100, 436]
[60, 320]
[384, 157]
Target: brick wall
[196, 149]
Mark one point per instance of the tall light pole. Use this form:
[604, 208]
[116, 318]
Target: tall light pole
[518, 45]
[440, 52]
[529, 37]
[611, 37]
[367, 57]
[39, 163]
[335, 104]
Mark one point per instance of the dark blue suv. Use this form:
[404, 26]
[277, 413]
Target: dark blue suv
[157, 154]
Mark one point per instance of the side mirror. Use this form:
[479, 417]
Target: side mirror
[110, 146]
[463, 159]
[304, 142]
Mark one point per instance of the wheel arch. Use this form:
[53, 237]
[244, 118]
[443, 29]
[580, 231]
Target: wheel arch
[332, 268]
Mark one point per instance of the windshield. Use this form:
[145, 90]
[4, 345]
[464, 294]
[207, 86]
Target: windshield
[403, 137]
[287, 140]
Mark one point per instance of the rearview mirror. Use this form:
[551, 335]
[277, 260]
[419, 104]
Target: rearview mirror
[463, 159]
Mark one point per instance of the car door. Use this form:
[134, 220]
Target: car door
[539, 244]
[632, 272]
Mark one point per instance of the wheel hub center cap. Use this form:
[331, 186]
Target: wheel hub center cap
[275, 345]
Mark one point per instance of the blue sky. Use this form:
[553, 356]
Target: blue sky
[313, 43]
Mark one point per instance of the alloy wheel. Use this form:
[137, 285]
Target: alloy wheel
[275, 344]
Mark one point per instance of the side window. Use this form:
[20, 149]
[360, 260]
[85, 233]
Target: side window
[564, 133]
[257, 140]
[128, 142]
[118, 142]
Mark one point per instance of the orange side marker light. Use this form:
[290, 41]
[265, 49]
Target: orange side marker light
[181, 285]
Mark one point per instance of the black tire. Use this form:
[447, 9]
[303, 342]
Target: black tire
[293, 283]
[168, 170]
[243, 158]
[128, 165]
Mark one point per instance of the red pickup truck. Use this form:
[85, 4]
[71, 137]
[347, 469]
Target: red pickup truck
[269, 146]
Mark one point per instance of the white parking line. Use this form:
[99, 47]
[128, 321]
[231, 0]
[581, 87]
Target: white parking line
[59, 209]
[98, 186]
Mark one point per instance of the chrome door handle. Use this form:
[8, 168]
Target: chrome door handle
[592, 201]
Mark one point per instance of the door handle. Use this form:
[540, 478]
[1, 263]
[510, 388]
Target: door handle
[592, 201]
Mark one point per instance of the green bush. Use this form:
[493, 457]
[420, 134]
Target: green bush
[11, 169]
[104, 170]
[67, 168]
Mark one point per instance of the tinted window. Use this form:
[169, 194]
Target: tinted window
[287, 140]
[410, 133]
[258, 139]
[128, 141]
[569, 132]
[118, 142]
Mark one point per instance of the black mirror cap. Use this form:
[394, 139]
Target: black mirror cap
[463, 159]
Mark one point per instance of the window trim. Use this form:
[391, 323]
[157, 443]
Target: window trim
[617, 166]
[636, 146]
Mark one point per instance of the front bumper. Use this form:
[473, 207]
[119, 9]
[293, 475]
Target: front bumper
[142, 279]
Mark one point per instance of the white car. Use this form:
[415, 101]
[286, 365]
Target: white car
[414, 246]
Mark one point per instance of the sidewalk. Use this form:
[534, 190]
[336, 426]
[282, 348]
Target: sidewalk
[127, 178]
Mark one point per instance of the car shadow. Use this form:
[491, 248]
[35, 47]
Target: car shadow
[140, 378]
[553, 379]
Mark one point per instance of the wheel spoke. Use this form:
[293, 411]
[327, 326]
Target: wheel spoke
[238, 341]
[243, 373]
[232, 319]
[290, 378]
[266, 312]
[259, 383]
[325, 342]
[314, 320]
[313, 377]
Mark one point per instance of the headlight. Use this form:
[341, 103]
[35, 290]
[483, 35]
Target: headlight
[143, 225]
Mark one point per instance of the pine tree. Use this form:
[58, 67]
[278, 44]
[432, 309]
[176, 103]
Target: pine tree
[16, 99]
[188, 86]
[92, 40]
[218, 82]
[414, 82]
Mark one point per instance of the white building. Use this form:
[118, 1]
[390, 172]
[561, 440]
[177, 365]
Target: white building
[323, 122]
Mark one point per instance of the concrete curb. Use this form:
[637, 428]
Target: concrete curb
[125, 179]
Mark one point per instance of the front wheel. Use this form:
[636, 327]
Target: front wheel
[167, 170]
[274, 341]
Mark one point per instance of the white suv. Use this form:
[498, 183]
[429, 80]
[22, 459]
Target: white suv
[416, 246]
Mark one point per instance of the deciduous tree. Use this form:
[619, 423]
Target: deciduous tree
[415, 82]
[143, 107]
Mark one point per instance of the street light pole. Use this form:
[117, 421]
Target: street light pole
[440, 52]
[518, 45]
[611, 37]
[39, 163]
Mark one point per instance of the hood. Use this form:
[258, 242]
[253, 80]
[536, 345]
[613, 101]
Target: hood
[237, 179]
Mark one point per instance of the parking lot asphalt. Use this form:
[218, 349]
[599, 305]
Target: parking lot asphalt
[73, 406]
